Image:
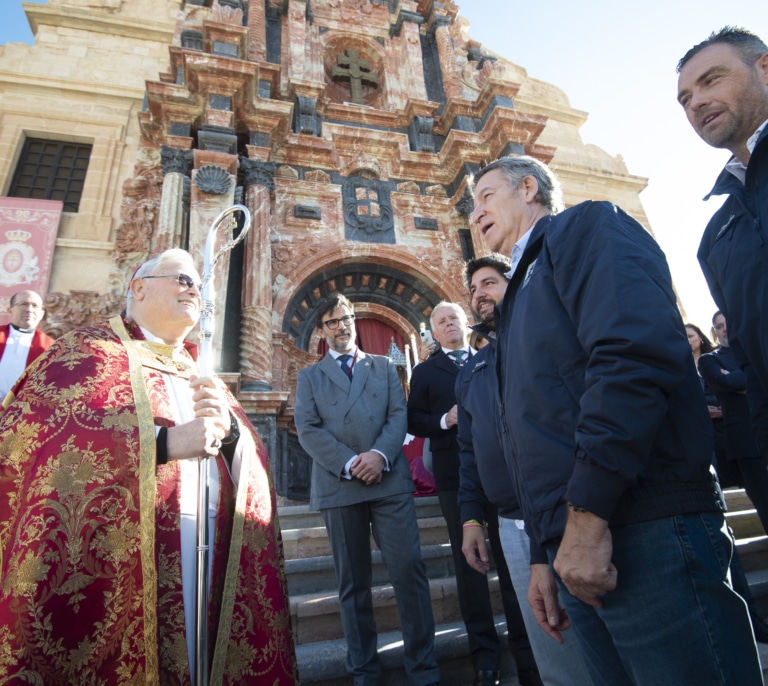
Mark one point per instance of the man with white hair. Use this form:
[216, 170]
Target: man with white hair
[98, 475]
[432, 413]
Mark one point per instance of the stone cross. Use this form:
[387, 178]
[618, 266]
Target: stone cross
[351, 68]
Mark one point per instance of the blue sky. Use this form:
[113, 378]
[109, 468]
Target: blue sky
[14, 27]
[616, 61]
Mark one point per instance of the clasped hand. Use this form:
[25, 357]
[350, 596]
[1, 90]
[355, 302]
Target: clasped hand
[452, 417]
[203, 435]
[368, 467]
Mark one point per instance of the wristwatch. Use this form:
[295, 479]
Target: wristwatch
[234, 432]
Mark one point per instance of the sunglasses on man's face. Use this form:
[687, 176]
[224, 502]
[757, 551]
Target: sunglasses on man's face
[182, 279]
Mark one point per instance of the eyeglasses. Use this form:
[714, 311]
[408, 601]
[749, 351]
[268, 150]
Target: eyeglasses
[183, 280]
[333, 324]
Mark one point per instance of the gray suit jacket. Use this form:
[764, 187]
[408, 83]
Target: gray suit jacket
[337, 420]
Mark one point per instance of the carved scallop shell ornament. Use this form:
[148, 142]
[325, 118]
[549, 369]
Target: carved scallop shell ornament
[212, 179]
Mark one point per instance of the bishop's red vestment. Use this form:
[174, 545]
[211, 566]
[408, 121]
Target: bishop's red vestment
[90, 571]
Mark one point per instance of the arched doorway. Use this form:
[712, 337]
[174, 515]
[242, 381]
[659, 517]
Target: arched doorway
[379, 292]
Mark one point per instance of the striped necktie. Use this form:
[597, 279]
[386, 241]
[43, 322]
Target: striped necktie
[344, 359]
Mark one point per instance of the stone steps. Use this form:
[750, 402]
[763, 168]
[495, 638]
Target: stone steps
[314, 603]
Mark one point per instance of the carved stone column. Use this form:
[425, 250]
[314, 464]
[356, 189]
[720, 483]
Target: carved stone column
[256, 328]
[257, 32]
[413, 65]
[297, 39]
[445, 51]
[177, 165]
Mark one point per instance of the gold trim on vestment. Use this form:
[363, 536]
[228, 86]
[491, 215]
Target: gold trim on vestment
[147, 496]
[248, 455]
[159, 357]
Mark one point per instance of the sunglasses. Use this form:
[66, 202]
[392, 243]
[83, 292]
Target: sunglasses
[182, 279]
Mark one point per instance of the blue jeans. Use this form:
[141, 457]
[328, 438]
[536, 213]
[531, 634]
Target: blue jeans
[673, 617]
[559, 665]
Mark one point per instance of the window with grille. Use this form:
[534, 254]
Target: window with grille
[51, 170]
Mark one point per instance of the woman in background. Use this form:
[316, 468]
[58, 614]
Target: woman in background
[700, 344]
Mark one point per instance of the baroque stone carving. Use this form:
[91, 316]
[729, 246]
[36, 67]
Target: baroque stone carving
[141, 198]
[176, 161]
[80, 308]
[408, 187]
[227, 12]
[305, 117]
[437, 190]
[402, 17]
[466, 205]
[285, 171]
[256, 172]
[420, 134]
[213, 179]
[367, 211]
[475, 54]
[217, 138]
[317, 175]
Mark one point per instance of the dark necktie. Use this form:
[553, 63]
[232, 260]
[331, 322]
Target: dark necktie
[458, 357]
[344, 359]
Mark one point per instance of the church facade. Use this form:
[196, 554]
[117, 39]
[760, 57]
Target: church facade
[348, 128]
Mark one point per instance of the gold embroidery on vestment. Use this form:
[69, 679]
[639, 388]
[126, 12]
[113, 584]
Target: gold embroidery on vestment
[147, 496]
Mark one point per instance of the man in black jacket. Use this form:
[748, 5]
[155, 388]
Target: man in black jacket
[607, 437]
[722, 375]
[723, 88]
[432, 414]
[484, 477]
[721, 372]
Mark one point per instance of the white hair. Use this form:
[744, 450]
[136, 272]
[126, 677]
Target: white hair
[152, 266]
[445, 303]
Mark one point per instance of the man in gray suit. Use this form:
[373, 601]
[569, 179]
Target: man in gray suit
[351, 419]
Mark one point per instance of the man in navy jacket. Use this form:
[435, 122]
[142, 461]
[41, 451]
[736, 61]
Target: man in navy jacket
[484, 477]
[606, 435]
[721, 372]
[723, 88]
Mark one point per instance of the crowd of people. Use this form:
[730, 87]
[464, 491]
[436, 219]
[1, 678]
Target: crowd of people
[577, 444]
